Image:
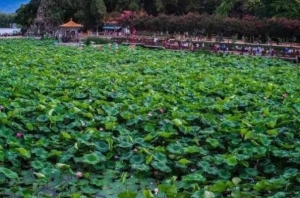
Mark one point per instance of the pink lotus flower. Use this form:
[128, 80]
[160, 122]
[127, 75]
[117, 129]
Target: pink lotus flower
[155, 191]
[19, 135]
[1, 107]
[79, 174]
[161, 110]
[101, 129]
[284, 95]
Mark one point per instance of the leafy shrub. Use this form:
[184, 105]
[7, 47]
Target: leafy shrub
[96, 40]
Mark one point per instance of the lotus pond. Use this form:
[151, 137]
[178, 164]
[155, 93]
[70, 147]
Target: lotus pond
[142, 123]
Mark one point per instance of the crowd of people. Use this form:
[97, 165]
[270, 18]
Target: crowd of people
[9, 34]
[253, 50]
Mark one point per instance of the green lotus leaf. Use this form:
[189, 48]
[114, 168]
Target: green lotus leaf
[54, 153]
[1, 155]
[231, 160]
[175, 148]
[30, 126]
[213, 142]
[42, 118]
[160, 166]
[24, 153]
[65, 135]
[97, 182]
[93, 158]
[89, 190]
[101, 146]
[5, 132]
[75, 195]
[290, 172]
[126, 155]
[261, 185]
[149, 128]
[248, 135]
[165, 134]
[149, 159]
[270, 168]
[110, 125]
[184, 161]
[272, 132]
[204, 165]
[147, 194]
[8, 173]
[212, 170]
[160, 157]
[272, 123]
[224, 174]
[137, 159]
[127, 194]
[126, 145]
[219, 187]
[40, 152]
[49, 171]
[192, 149]
[177, 122]
[140, 167]
[37, 164]
[110, 110]
[194, 177]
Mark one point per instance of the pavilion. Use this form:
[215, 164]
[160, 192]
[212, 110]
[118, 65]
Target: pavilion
[70, 31]
[111, 26]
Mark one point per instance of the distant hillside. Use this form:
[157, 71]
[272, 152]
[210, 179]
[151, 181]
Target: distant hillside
[10, 6]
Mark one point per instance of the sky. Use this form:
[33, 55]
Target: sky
[10, 6]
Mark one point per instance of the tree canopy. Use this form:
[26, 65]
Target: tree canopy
[6, 20]
[91, 12]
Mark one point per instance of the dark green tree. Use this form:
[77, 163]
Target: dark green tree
[26, 13]
[98, 11]
[6, 20]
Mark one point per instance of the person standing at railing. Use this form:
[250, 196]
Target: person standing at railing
[155, 39]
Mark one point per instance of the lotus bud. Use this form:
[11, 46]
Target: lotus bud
[39, 175]
[62, 166]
